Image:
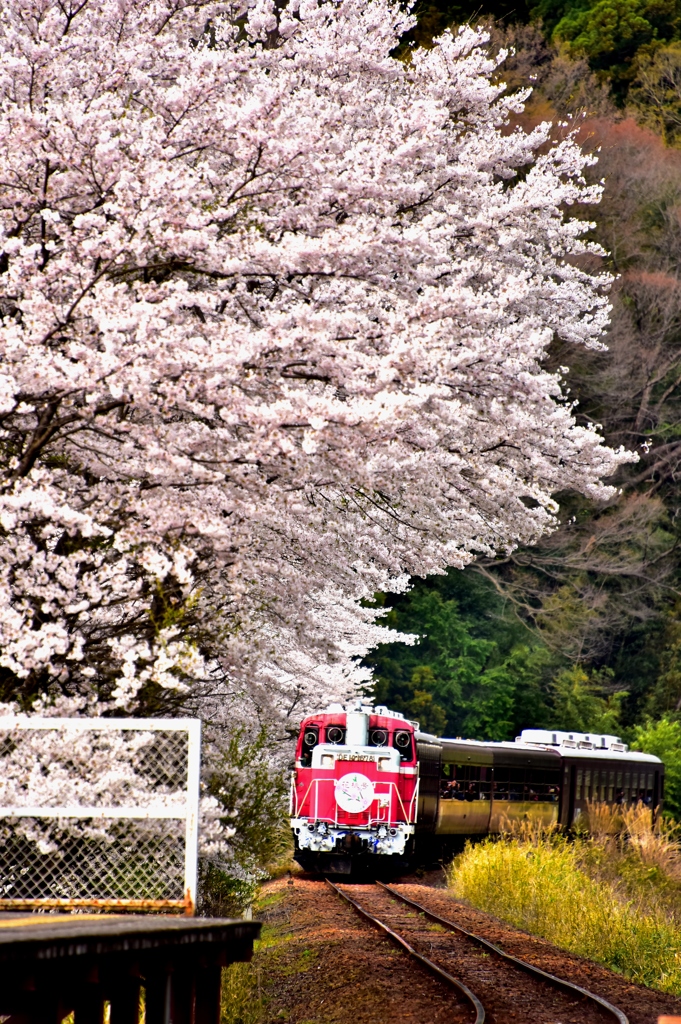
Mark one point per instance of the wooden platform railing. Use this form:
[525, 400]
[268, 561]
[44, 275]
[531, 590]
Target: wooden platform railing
[54, 965]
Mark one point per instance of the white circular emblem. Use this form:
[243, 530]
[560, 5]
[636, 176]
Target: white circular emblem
[354, 793]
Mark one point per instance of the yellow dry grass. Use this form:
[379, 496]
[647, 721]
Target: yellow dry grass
[612, 894]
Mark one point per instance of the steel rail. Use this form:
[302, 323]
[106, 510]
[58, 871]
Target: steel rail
[449, 978]
[567, 986]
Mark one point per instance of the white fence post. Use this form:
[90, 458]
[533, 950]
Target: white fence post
[191, 850]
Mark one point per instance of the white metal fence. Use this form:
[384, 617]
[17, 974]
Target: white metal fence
[99, 813]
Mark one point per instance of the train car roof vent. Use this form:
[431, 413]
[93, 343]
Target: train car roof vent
[585, 741]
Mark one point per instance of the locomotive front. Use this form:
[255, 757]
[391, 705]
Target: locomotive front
[355, 787]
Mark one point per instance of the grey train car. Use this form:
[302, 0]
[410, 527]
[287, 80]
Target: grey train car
[469, 788]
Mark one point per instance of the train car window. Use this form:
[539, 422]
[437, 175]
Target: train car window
[447, 781]
[335, 734]
[611, 787]
[465, 782]
[378, 738]
[649, 793]
[597, 785]
[516, 788]
[521, 785]
[402, 741]
[631, 789]
[310, 741]
[509, 783]
[501, 783]
[527, 785]
[485, 783]
[587, 783]
[549, 787]
[578, 787]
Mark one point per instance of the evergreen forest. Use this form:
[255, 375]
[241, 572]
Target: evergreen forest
[583, 631]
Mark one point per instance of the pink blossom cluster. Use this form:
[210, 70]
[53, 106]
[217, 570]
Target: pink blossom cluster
[275, 305]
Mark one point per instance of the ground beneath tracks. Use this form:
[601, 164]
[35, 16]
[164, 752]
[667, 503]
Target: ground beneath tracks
[321, 963]
[641, 1005]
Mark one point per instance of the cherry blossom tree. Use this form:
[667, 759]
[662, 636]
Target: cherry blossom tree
[274, 309]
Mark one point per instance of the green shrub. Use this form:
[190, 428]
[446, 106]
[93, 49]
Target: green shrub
[663, 739]
[223, 895]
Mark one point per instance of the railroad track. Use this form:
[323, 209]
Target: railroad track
[512, 989]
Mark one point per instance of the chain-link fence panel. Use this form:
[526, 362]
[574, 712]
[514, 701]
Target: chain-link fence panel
[99, 813]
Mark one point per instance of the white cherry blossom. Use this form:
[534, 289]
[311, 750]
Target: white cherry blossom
[275, 305]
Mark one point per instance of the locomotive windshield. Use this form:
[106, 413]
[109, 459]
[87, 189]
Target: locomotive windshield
[335, 734]
[310, 741]
[402, 741]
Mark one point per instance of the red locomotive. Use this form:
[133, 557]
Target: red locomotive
[369, 787]
[355, 787]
